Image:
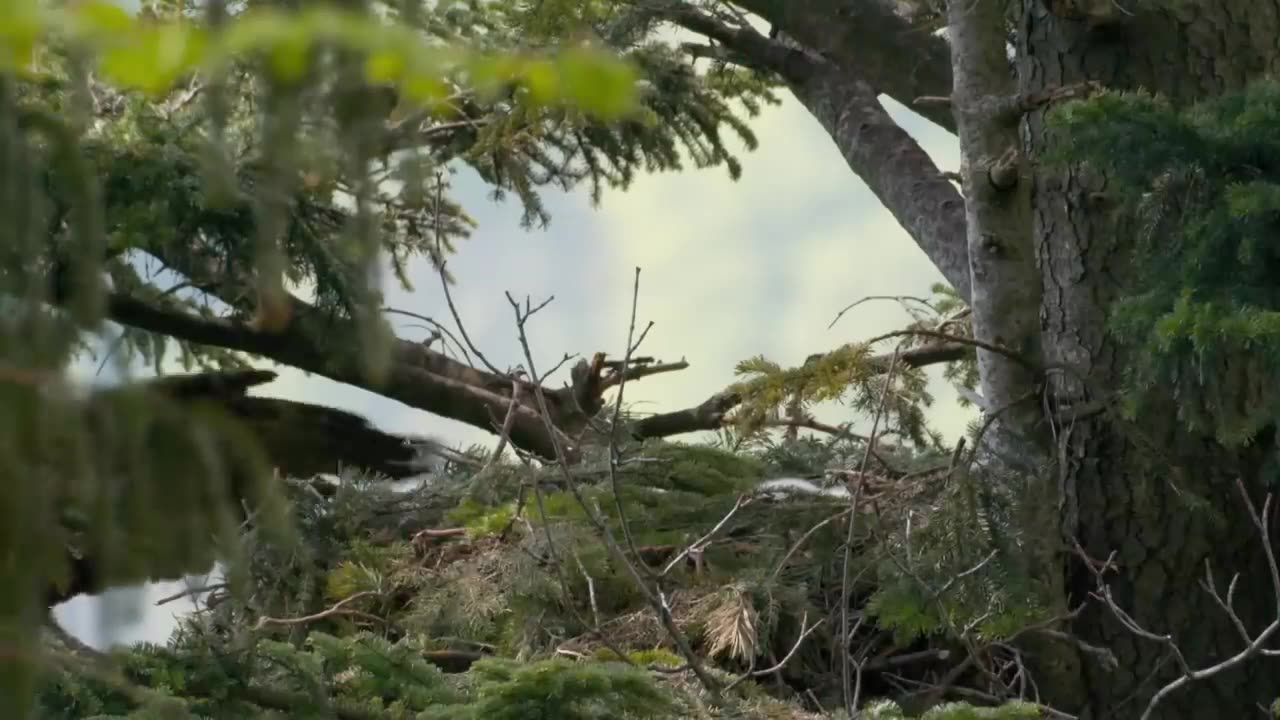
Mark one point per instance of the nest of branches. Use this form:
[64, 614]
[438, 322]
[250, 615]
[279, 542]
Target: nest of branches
[684, 559]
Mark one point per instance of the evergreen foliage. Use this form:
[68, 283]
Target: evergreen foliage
[408, 599]
[490, 594]
[1204, 184]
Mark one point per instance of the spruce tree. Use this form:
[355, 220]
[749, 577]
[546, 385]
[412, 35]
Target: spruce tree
[1098, 547]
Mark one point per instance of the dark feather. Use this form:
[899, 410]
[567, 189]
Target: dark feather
[301, 439]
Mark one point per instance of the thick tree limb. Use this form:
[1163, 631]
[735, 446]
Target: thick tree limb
[870, 40]
[708, 415]
[749, 47]
[900, 173]
[419, 377]
[301, 439]
[894, 166]
[844, 99]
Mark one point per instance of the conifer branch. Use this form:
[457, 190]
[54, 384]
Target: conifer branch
[894, 166]
[712, 413]
[850, 691]
[844, 96]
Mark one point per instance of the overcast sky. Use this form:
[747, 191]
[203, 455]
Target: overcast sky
[728, 270]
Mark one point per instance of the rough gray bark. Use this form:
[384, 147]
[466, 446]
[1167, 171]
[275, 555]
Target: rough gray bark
[1004, 286]
[1121, 498]
[1116, 493]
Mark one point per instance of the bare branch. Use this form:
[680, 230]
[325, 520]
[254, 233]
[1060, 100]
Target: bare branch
[1254, 645]
[893, 165]
[441, 265]
[697, 546]
[850, 695]
[656, 599]
[338, 608]
[805, 631]
[419, 377]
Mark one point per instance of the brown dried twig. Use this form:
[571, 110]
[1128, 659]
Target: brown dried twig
[339, 608]
[1255, 645]
[654, 597]
[850, 691]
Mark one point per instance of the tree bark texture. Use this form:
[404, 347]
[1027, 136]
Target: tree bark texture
[1126, 485]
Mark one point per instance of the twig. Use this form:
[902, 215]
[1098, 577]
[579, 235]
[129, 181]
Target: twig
[990, 347]
[439, 328]
[700, 543]
[805, 632]
[1254, 646]
[444, 279]
[614, 456]
[901, 299]
[591, 589]
[190, 591]
[657, 600]
[850, 695]
[558, 564]
[795, 547]
[339, 608]
[505, 434]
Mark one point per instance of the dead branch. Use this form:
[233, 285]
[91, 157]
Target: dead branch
[902, 300]
[637, 373]
[505, 432]
[656, 598]
[850, 693]
[188, 592]
[697, 546]
[805, 631]
[614, 452]
[442, 270]
[1013, 108]
[338, 608]
[1254, 645]
[418, 377]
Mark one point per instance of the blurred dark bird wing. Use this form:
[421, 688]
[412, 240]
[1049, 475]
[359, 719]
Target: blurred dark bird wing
[301, 439]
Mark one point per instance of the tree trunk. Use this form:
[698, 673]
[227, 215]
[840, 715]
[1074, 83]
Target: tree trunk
[1126, 488]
